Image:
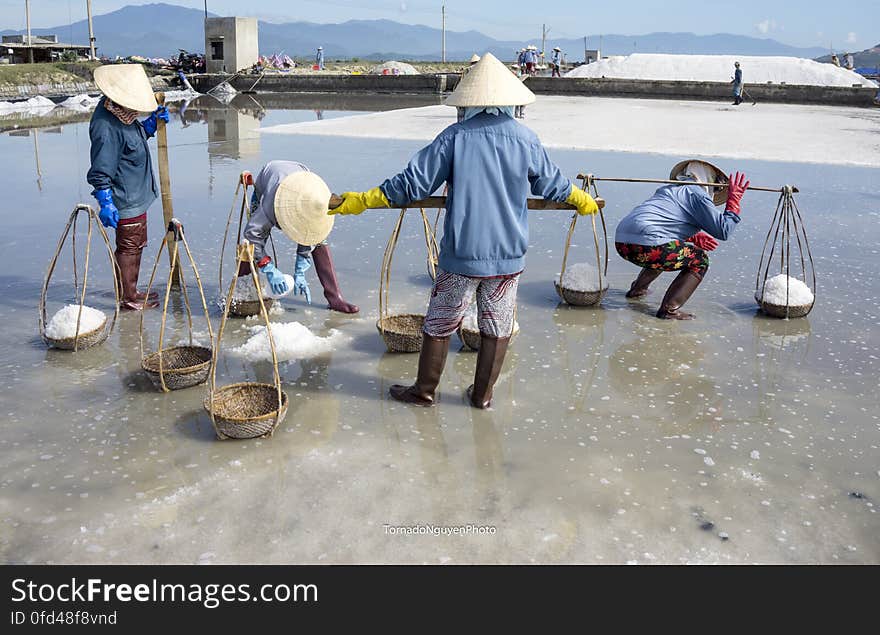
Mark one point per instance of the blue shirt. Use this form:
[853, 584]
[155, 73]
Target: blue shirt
[675, 212]
[491, 164]
[121, 162]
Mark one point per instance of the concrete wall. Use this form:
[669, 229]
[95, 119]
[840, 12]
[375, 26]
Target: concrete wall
[602, 87]
[240, 44]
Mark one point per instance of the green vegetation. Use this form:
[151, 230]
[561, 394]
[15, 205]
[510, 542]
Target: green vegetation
[12, 75]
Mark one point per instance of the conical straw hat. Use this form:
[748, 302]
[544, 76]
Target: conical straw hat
[475, 58]
[126, 85]
[301, 204]
[490, 83]
[720, 195]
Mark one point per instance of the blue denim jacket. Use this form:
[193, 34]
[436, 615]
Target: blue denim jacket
[121, 162]
[491, 164]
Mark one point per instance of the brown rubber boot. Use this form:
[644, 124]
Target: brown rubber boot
[131, 238]
[677, 294]
[432, 359]
[639, 287]
[490, 359]
[327, 275]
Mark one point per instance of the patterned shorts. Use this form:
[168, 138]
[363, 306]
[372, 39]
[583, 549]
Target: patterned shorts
[672, 256]
[452, 295]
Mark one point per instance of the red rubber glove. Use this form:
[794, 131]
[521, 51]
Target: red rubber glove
[736, 188]
[704, 241]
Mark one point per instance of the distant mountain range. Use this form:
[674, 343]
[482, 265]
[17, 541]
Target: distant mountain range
[159, 30]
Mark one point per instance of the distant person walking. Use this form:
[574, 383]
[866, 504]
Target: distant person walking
[556, 62]
[319, 58]
[521, 61]
[531, 59]
[737, 84]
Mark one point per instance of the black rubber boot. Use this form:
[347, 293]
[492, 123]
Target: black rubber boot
[681, 289]
[490, 359]
[432, 359]
[640, 285]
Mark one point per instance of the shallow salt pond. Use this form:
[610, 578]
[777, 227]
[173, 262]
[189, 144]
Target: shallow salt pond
[615, 437]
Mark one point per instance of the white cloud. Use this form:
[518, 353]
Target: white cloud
[766, 26]
[851, 38]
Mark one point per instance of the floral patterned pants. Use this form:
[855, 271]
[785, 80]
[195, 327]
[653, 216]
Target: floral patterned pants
[672, 256]
[452, 295]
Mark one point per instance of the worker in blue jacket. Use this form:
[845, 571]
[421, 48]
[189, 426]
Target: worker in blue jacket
[121, 170]
[490, 164]
[676, 228]
[737, 84]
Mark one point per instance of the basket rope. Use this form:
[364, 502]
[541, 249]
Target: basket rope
[245, 253]
[388, 256]
[589, 184]
[175, 232]
[245, 211]
[787, 219]
[71, 224]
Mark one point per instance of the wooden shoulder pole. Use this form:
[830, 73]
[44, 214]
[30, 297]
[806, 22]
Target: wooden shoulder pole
[165, 186]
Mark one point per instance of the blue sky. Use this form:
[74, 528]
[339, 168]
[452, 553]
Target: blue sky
[852, 24]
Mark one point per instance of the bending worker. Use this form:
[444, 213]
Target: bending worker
[289, 196]
[121, 171]
[490, 164]
[673, 230]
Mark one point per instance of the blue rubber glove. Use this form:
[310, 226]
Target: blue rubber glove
[109, 215]
[152, 122]
[300, 285]
[275, 278]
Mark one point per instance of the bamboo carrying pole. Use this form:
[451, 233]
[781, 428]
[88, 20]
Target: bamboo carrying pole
[671, 182]
[165, 186]
[439, 202]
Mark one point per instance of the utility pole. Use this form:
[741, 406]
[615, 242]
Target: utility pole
[27, 11]
[544, 32]
[206, 9]
[91, 31]
[585, 49]
[443, 44]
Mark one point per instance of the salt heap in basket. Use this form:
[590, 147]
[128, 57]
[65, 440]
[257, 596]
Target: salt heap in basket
[62, 326]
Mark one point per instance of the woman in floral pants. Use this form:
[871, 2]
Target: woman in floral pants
[673, 230]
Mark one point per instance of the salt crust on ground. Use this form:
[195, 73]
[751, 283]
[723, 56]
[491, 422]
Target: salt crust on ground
[799, 294]
[719, 68]
[834, 135]
[292, 341]
[402, 68]
[63, 323]
[582, 277]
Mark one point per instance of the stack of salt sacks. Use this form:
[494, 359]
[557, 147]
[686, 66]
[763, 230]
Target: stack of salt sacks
[799, 294]
[582, 277]
[62, 326]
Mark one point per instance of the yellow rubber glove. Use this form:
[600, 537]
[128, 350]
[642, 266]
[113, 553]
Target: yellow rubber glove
[357, 202]
[583, 201]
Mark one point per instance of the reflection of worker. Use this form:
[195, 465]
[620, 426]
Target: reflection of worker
[121, 169]
[289, 196]
[673, 230]
[319, 58]
[737, 85]
[491, 164]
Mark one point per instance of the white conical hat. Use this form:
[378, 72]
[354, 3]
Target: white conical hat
[126, 85]
[490, 83]
[719, 197]
[475, 58]
[301, 203]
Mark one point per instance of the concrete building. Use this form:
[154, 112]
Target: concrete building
[231, 44]
[44, 48]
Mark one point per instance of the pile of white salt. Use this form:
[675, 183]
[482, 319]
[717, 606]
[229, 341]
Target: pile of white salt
[582, 277]
[292, 341]
[799, 294]
[63, 323]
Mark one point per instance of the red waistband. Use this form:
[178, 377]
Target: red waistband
[136, 219]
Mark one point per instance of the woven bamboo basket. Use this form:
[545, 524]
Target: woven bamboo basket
[471, 338]
[181, 366]
[248, 308]
[184, 366]
[82, 340]
[402, 332]
[574, 296]
[245, 410]
[786, 233]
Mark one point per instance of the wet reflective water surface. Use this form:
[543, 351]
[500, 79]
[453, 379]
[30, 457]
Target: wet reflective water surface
[614, 437]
